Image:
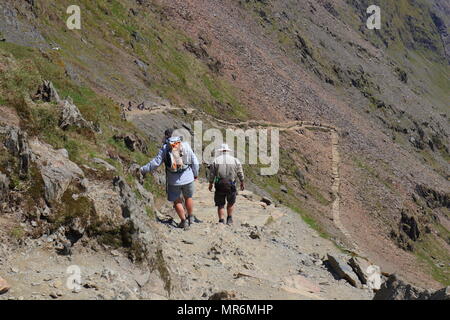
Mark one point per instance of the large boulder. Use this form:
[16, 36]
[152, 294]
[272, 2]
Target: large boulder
[57, 171]
[367, 273]
[396, 288]
[343, 270]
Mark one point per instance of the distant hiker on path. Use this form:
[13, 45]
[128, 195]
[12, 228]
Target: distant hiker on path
[224, 171]
[182, 169]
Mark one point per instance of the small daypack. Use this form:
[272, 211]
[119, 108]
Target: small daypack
[224, 185]
[176, 159]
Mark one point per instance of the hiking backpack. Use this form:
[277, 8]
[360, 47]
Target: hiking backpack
[176, 158]
[223, 184]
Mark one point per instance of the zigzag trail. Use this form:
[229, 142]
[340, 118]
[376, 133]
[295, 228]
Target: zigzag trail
[286, 126]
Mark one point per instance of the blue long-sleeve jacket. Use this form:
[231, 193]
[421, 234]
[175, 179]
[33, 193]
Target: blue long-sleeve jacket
[173, 178]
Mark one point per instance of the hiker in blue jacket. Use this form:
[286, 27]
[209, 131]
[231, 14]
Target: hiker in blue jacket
[182, 167]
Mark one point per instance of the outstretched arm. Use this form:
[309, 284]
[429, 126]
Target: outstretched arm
[154, 163]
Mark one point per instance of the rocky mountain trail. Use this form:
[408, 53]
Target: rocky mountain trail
[363, 117]
[207, 259]
[141, 118]
[212, 257]
[200, 263]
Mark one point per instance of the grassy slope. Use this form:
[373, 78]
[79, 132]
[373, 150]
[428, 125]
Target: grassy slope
[175, 74]
[108, 27]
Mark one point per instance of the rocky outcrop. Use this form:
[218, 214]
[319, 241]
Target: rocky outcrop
[200, 51]
[396, 288]
[4, 188]
[17, 144]
[136, 232]
[441, 25]
[433, 198]
[70, 114]
[71, 117]
[57, 171]
[409, 226]
[46, 92]
[408, 231]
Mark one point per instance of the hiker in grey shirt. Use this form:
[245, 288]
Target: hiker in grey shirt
[224, 171]
[180, 179]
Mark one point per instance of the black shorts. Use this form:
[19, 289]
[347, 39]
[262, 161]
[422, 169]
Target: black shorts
[219, 198]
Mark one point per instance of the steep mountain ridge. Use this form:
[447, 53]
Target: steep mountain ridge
[325, 71]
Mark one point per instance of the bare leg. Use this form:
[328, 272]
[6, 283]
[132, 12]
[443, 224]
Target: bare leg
[221, 212]
[230, 209]
[189, 206]
[178, 206]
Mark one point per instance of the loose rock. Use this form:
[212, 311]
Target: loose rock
[343, 270]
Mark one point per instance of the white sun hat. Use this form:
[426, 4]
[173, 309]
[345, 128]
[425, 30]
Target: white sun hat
[224, 148]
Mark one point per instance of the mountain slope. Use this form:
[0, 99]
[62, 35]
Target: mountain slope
[385, 91]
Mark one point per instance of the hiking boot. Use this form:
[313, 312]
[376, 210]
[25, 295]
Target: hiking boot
[194, 219]
[184, 224]
[229, 221]
[221, 221]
